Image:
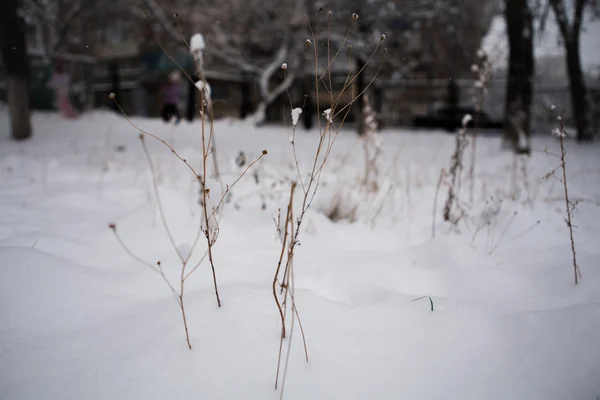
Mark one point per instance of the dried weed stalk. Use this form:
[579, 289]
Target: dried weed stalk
[328, 133]
[569, 206]
[209, 225]
[454, 174]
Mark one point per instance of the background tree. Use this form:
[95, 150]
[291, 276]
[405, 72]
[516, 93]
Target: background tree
[254, 37]
[14, 55]
[570, 30]
[440, 37]
[517, 114]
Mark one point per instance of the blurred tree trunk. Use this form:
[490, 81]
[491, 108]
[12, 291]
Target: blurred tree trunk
[517, 117]
[14, 54]
[570, 34]
[246, 102]
[579, 101]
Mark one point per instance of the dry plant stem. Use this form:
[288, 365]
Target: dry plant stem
[525, 232]
[472, 167]
[474, 150]
[479, 228]
[198, 177]
[207, 232]
[229, 187]
[328, 70]
[526, 181]
[158, 200]
[183, 260]
[210, 254]
[366, 87]
[216, 210]
[185, 326]
[283, 247]
[158, 269]
[317, 173]
[578, 200]
[158, 139]
[309, 192]
[455, 168]
[206, 151]
[317, 169]
[563, 164]
[293, 297]
[502, 234]
[287, 357]
[286, 285]
[330, 63]
[296, 161]
[435, 199]
[316, 52]
[513, 178]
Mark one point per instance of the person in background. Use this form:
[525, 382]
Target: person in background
[61, 83]
[171, 96]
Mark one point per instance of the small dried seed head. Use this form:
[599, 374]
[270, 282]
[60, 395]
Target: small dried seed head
[329, 13]
[112, 96]
[264, 152]
[383, 37]
[308, 42]
[284, 66]
[113, 227]
[354, 16]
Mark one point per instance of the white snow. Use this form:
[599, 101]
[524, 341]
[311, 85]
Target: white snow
[296, 112]
[197, 43]
[466, 119]
[82, 319]
[207, 89]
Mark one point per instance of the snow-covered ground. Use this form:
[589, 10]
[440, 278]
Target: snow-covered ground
[81, 319]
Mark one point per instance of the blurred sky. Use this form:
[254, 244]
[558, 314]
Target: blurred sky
[548, 43]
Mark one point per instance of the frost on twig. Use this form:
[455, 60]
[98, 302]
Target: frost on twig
[197, 43]
[296, 112]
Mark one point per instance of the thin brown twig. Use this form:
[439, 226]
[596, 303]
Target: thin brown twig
[563, 164]
[229, 187]
[283, 247]
[197, 177]
[290, 289]
[161, 210]
[435, 199]
[495, 246]
[128, 251]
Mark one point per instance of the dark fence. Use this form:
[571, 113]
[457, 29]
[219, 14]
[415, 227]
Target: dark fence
[402, 101]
